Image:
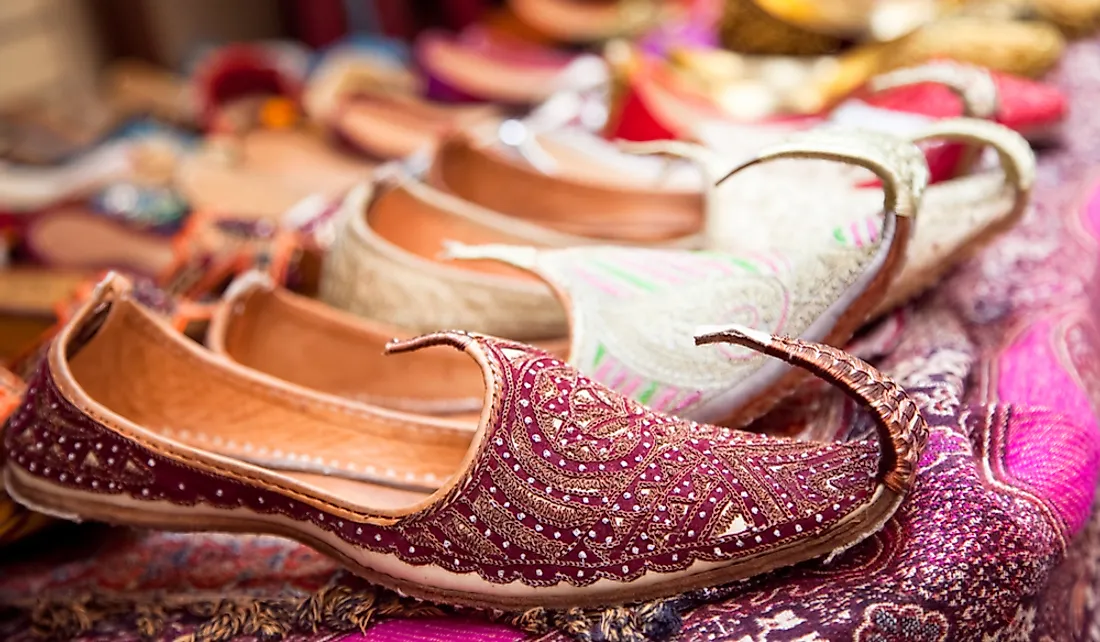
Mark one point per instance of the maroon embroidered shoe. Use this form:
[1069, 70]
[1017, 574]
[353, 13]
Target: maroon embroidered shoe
[566, 495]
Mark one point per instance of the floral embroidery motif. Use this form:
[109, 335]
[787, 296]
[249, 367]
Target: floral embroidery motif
[898, 623]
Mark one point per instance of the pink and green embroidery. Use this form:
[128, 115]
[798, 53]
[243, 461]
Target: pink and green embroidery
[859, 234]
[638, 273]
[654, 394]
[631, 273]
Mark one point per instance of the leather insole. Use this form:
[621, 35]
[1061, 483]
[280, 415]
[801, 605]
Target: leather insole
[383, 131]
[421, 228]
[578, 164]
[139, 371]
[363, 493]
[341, 355]
[481, 76]
[594, 207]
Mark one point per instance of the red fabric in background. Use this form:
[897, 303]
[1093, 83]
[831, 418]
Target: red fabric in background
[460, 14]
[317, 23]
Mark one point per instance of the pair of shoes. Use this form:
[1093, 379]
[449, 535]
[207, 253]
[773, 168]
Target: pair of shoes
[526, 187]
[844, 266]
[386, 262]
[566, 493]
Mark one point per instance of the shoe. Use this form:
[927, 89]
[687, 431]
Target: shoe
[477, 67]
[571, 192]
[389, 127]
[573, 21]
[943, 89]
[1028, 48]
[76, 237]
[207, 253]
[747, 28]
[25, 189]
[340, 354]
[140, 88]
[861, 20]
[656, 103]
[649, 102]
[386, 264]
[958, 216]
[1077, 18]
[578, 155]
[567, 494]
[240, 71]
[360, 64]
[45, 132]
[628, 308]
[369, 101]
[212, 250]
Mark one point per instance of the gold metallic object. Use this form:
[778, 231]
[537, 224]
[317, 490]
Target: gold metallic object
[751, 87]
[1075, 17]
[591, 21]
[862, 20]
[851, 71]
[747, 28]
[1010, 46]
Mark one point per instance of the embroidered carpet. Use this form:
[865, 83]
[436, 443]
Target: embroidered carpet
[1000, 541]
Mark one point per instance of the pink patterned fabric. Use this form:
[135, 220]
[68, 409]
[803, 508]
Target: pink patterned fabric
[1000, 540]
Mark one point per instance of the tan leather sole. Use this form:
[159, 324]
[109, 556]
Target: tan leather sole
[46, 497]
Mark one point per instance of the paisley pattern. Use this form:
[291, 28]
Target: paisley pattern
[633, 311]
[610, 290]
